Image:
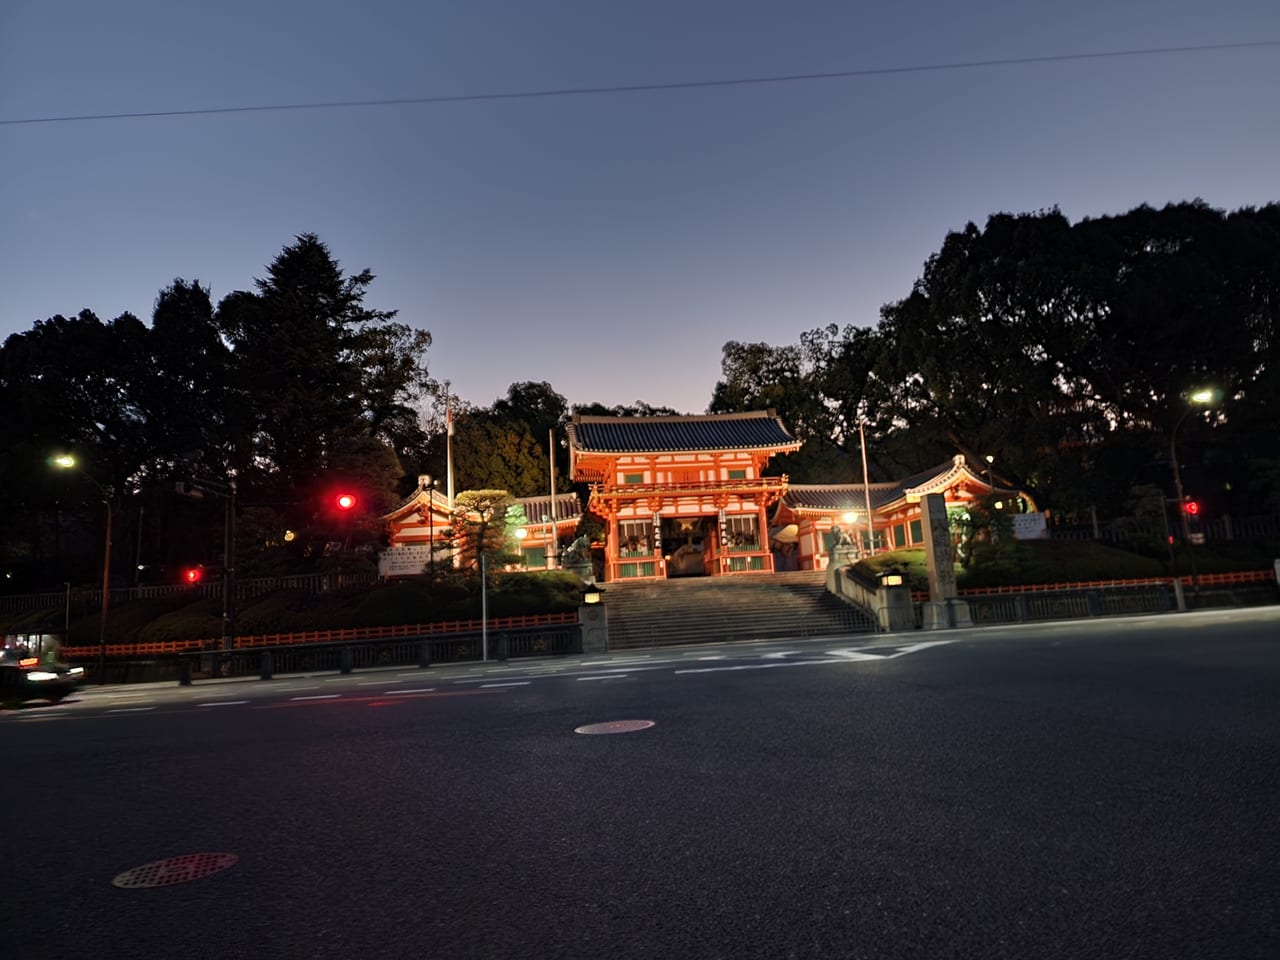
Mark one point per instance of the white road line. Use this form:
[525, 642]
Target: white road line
[131, 710]
[607, 676]
[758, 666]
[221, 703]
[400, 693]
[604, 663]
[483, 680]
[519, 683]
[314, 696]
[377, 683]
[921, 646]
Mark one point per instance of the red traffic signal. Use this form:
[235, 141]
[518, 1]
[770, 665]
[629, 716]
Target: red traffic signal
[193, 574]
[345, 501]
[1191, 507]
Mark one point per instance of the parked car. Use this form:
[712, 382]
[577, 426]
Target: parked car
[24, 676]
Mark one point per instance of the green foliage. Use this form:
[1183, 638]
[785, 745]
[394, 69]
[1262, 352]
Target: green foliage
[479, 518]
[1038, 562]
[492, 455]
[1264, 483]
[592, 526]
[1144, 526]
[988, 543]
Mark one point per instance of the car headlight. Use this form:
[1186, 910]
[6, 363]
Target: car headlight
[76, 672]
[41, 675]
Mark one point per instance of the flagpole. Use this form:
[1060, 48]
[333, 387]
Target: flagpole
[551, 509]
[448, 443]
[866, 489]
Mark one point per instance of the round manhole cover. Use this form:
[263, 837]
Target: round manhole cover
[615, 726]
[183, 869]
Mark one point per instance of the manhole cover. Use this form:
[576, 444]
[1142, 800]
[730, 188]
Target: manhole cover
[183, 869]
[615, 726]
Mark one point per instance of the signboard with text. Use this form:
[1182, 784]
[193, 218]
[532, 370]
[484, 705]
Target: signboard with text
[408, 561]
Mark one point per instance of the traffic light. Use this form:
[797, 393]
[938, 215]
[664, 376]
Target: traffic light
[345, 501]
[1191, 507]
[193, 575]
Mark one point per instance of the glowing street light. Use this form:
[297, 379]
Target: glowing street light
[850, 519]
[1200, 398]
[67, 462]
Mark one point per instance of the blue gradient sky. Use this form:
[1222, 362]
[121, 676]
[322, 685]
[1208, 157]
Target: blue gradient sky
[612, 244]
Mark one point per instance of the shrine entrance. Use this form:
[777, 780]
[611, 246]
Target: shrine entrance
[687, 547]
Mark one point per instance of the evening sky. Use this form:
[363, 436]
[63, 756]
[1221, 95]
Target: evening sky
[608, 243]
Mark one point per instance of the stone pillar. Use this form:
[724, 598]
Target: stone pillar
[944, 608]
[594, 624]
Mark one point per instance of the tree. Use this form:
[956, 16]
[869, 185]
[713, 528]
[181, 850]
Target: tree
[480, 528]
[318, 371]
[489, 454]
[187, 400]
[70, 385]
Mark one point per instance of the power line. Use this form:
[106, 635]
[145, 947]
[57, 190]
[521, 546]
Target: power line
[649, 87]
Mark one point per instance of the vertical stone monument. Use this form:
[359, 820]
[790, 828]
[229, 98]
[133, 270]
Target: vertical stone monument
[944, 608]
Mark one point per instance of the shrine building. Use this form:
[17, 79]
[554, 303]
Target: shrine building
[687, 496]
[681, 496]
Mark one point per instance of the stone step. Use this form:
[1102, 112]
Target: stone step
[718, 609]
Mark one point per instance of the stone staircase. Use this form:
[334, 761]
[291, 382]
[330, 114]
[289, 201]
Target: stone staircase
[649, 613]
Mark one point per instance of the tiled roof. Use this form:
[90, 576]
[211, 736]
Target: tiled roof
[757, 430]
[568, 507]
[837, 498]
[832, 498]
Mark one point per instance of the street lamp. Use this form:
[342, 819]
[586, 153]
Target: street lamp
[850, 520]
[1199, 398]
[67, 462]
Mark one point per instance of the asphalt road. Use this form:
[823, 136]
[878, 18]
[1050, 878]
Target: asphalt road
[1107, 789]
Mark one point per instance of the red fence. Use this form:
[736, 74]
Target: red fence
[322, 636]
[1206, 580]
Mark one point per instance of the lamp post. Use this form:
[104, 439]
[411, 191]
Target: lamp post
[68, 462]
[226, 491]
[1199, 398]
